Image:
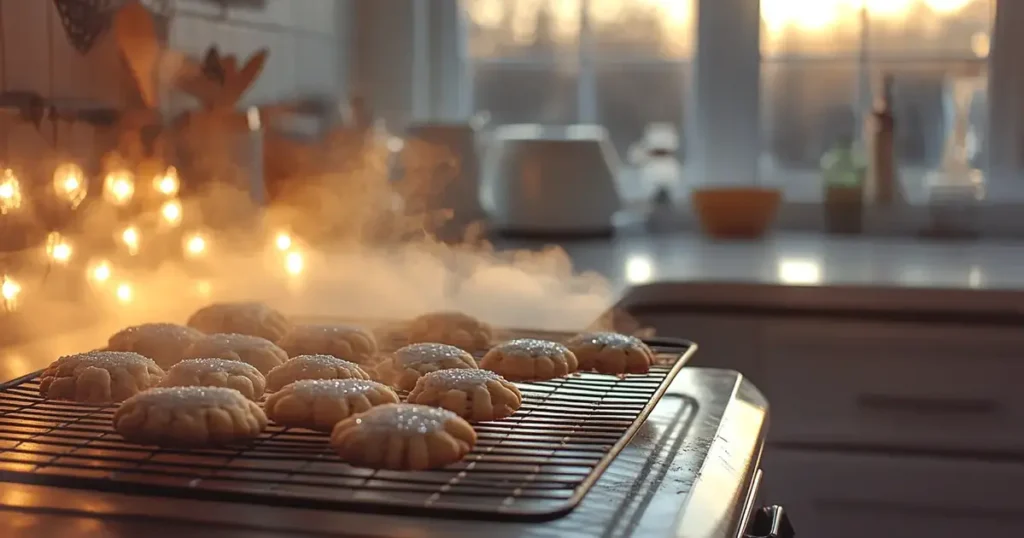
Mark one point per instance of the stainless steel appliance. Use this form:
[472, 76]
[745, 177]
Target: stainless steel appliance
[544, 180]
[674, 452]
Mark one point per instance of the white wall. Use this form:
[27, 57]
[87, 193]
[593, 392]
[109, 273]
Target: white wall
[308, 40]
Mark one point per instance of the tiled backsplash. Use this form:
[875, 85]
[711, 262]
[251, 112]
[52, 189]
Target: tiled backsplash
[308, 42]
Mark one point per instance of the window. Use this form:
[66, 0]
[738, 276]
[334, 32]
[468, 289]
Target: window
[623, 64]
[626, 64]
[821, 58]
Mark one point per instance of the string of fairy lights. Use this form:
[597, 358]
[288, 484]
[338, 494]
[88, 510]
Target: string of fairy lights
[108, 269]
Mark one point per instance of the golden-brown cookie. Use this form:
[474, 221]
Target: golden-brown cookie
[251, 318]
[313, 367]
[475, 395]
[452, 328]
[319, 404]
[350, 343]
[99, 377]
[189, 417]
[403, 367]
[611, 353]
[259, 352]
[165, 343]
[403, 437]
[529, 359]
[243, 377]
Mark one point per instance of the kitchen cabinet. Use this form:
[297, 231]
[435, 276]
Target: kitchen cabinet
[878, 427]
[849, 495]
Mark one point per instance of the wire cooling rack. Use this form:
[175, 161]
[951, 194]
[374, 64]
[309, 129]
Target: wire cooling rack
[535, 465]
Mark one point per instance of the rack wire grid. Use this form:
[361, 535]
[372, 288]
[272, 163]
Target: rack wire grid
[533, 466]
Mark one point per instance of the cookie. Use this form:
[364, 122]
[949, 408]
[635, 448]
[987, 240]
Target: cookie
[528, 359]
[99, 377]
[406, 365]
[403, 437]
[475, 395]
[319, 404]
[243, 377]
[165, 343]
[259, 352]
[313, 367]
[189, 417]
[350, 343]
[611, 353]
[452, 328]
[253, 319]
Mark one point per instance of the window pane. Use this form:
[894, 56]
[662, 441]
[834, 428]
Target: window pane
[525, 93]
[810, 27]
[642, 28]
[806, 106]
[523, 28]
[631, 96]
[957, 28]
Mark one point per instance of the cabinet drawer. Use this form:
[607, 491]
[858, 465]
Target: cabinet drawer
[899, 385]
[853, 496]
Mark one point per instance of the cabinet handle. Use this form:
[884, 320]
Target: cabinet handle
[926, 405]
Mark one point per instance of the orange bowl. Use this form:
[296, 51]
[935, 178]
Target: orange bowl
[736, 212]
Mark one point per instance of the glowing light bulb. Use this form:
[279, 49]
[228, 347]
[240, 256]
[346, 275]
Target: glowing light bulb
[195, 245]
[171, 212]
[131, 238]
[283, 241]
[124, 292]
[58, 248]
[10, 192]
[168, 182]
[10, 290]
[69, 183]
[119, 187]
[100, 271]
[294, 263]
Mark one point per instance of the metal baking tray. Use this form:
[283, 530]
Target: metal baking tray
[533, 466]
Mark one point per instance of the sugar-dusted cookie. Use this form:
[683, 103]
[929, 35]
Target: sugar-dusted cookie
[319, 404]
[251, 318]
[476, 395]
[189, 417]
[98, 377]
[452, 328]
[403, 367]
[165, 343]
[528, 359]
[345, 342]
[259, 352]
[403, 437]
[313, 367]
[243, 377]
[611, 353]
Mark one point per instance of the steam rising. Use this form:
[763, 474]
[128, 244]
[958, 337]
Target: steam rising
[362, 248]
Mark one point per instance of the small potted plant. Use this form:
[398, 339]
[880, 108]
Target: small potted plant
[843, 171]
